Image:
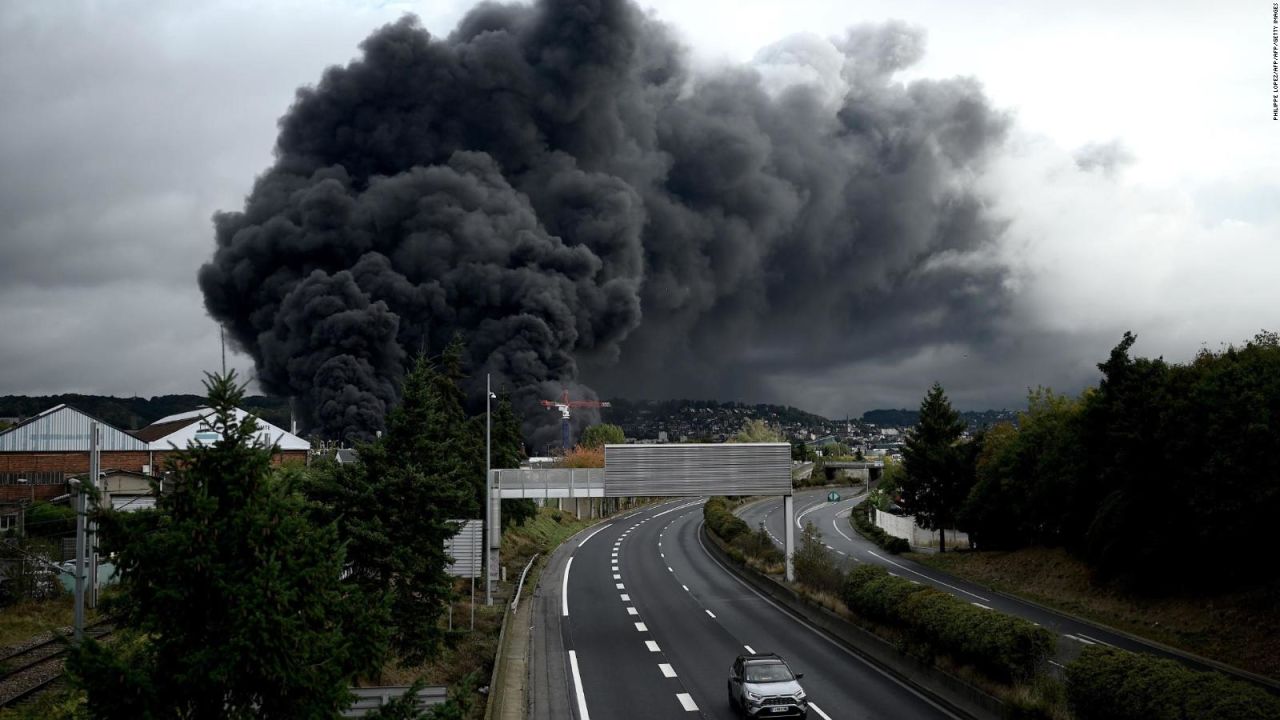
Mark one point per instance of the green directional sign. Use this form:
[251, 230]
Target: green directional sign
[833, 496]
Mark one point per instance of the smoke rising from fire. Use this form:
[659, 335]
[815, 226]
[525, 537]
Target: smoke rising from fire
[556, 185]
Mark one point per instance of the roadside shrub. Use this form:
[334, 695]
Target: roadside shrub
[1107, 683]
[759, 545]
[875, 533]
[1004, 647]
[722, 521]
[814, 566]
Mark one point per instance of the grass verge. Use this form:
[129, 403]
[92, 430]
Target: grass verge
[1240, 628]
[23, 621]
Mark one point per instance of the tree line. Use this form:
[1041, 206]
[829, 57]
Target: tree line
[260, 591]
[1163, 475]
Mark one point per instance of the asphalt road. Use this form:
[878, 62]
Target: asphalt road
[832, 520]
[649, 623]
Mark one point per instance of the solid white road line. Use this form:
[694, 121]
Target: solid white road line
[653, 646]
[687, 702]
[818, 710]
[713, 615]
[641, 628]
[926, 577]
[564, 593]
[836, 525]
[748, 647]
[667, 670]
[584, 540]
[577, 686]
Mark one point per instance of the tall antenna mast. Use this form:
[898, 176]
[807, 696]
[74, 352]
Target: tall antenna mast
[222, 335]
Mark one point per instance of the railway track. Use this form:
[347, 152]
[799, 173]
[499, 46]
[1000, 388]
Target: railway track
[33, 670]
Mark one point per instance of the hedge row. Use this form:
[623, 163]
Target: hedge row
[721, 520]
[1118, 685]
[1005, 647]
[875, 533]
[735, 531]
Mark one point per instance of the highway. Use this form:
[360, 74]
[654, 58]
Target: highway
[832, 519]
[635, 619]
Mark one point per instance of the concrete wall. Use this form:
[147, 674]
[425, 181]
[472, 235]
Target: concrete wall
[904, 526]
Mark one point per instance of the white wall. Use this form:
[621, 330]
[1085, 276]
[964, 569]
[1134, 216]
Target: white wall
[905, 527]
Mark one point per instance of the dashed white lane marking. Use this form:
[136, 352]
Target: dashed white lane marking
[841, 552]
[641, 628]
[653, 646]
[584, 540]
[625, 597]
[818, 710]
[577, 687]
[620, 586]
[616, 576]
[669, 569]
[749, 650]
[632, 611]
[1094, 639]
[564, 592]
[667, 670]
[926, 577]
[1058, 664]
[662, 555]
[1079, 639]
[713, 615]
[686, 588]
[615, 553]
[984, 607]
[687, 702]
[828, 546]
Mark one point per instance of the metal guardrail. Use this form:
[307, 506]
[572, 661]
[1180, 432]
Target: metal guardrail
[370, 699]
[515, 601]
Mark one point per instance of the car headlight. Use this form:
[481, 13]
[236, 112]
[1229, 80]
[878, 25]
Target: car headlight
[754, 697]
[800, 695]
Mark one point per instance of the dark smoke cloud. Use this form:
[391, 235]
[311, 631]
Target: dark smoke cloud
[553, 183]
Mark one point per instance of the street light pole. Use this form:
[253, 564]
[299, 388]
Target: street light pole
[488, 491]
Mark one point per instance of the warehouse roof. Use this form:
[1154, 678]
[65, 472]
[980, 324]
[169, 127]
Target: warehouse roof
[182, 428]
[63, 428]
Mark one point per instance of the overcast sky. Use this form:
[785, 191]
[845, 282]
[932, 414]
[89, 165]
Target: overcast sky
[1139, 179]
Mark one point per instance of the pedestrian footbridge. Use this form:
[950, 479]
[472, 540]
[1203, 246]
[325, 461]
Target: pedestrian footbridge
[675, 470]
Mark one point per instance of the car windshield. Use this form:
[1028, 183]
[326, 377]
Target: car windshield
[767, 672]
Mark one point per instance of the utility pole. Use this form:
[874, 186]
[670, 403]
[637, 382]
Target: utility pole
[81, 507]
[488, 492]
[222, 335]
[95, 470]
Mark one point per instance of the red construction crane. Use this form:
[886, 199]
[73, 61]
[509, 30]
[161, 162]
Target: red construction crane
[563, 406]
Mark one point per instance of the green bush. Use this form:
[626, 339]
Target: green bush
[721, 520]
[814, 566]
[1004, 647]
[874, 533]
[1115, 684]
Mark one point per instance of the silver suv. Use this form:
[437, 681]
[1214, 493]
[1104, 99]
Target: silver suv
[763, 686]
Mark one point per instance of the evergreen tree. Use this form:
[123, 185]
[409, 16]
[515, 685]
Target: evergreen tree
[229, 603]
[508, 452]
[937, 475]
[396, 505]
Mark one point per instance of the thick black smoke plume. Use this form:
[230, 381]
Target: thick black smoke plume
[554, 184]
